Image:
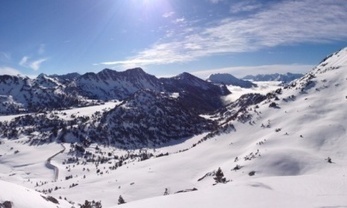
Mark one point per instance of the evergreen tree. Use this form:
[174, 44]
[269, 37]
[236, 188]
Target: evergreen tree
[219, 176]
[86, 204]
[121, 200]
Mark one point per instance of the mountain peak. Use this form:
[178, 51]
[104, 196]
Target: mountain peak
[42, 75]
[185, 75]
[228, 79]
[107, 70]
[136, 69]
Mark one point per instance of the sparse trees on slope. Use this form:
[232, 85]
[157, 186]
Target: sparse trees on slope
[92, 204]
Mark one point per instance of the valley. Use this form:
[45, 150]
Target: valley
[163, 144]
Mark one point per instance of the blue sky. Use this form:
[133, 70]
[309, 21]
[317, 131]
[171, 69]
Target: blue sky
[168, 37]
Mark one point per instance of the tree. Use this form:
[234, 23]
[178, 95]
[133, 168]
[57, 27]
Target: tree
[92, 204]
[166, 192]
[219, 176]
[121, 200]
[86, 204]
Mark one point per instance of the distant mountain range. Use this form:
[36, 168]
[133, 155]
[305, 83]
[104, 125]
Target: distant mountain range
[21, 94]
[229, 79]
[285, 78]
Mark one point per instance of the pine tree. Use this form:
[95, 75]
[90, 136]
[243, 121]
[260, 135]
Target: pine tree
[86, 204]
[121, 200]
[219, 176]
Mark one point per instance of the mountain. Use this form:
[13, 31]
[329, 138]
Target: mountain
[228, 79]
[172, 105]
[195, 93]
[150, 119]
[285, 78]
[22, 94]
[109, 84]
[65, 78]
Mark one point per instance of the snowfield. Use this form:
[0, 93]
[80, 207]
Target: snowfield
[262, 88]
[292, 154]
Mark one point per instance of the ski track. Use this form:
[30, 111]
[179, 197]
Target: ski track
[49, 165]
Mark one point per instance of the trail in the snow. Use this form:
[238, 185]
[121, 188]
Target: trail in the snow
[49, 165]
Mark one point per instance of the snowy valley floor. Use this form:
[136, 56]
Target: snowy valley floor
[281, 165]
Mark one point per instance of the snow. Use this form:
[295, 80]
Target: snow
[66, 114]
[24, 197]
[301, 191]
[87, 111]
[288, 159]
[262, 88]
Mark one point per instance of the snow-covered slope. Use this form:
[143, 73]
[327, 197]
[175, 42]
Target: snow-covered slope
[290, 152]
[15, 196]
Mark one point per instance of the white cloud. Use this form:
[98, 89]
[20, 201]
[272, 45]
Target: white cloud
[280, 24]
[215, 1]
[35, 65]
[8, 71]
[245, 6]
[179, 20]
[24, 61]
[168, 14]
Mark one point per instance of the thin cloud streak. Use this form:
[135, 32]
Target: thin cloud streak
[168, 14]
[245, 6]
[215, 1]
[34, 65]
[5, 57]
[23, 61]
[281, 24]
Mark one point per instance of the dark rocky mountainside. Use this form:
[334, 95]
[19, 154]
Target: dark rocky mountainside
[22, 94]
[150, 111]
[203, 96]
[149, 119]
[229, 79]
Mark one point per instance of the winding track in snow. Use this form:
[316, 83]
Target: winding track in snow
[49, 165]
